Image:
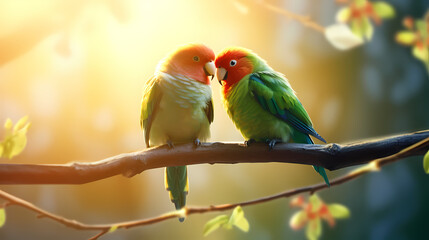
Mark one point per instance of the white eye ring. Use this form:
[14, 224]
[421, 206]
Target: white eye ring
[196, 58]
[233, 63]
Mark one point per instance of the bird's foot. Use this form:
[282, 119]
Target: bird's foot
[250, 141]
[170, 144]
[272, 143]
[197, 143]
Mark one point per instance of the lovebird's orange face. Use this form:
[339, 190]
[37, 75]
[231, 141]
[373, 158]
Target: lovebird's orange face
[232, 65]
[193, 60]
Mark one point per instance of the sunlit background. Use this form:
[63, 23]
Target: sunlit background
[77, 68]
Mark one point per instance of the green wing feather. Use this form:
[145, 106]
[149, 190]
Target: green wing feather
[274, 94]
[152, 95]
[176, 178]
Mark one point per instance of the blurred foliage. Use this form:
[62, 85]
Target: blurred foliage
[341, 37]
[113, 228]
[236, 219]
[13, 144]
[15, 138]
[2, 216]
[313, 212]
[426, 162]
[360, 13]
[417, 37]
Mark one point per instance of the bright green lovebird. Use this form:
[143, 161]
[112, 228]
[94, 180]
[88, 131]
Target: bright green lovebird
[261, 102]
[177, 108]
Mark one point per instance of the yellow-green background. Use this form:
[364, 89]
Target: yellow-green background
[77, 69]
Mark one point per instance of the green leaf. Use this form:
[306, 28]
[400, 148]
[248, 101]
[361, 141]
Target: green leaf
[368, 29]
[362, 28]
[16, 139]
[8, 128]
[356, 28]
[8, 124]
[214, 224]
[15, 144]
[315, 202]
[298, 220]
[21, 124]
[113, 228]
[2, 217]
[405, 37]
[421, 28]
[383, 9]
[421, 53]
[237, 219]
[360, 3]
[343, 15]
[314, 229]
[426, 162]
[338, 211]
[1, 149]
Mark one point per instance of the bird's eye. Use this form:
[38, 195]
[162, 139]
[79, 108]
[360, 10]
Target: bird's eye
[196, 58]
[233, 63]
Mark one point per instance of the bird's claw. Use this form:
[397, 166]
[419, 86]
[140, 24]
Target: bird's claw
[197, 142]
[170, 144]
[250, 141]
[272, 143]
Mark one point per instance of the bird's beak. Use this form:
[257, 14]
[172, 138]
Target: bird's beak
[210, 69]
[221, 74]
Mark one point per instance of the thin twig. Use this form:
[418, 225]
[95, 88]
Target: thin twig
[104, 228]
[331, 156]
[304, 20]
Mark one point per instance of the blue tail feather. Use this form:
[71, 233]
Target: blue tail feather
[322, 173]
[319, 169]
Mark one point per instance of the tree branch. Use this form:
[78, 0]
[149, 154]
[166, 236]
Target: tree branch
[105, 228]
[331, 156]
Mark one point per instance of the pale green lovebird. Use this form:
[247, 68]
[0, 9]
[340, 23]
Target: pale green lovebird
[177, 108]
[261, 102]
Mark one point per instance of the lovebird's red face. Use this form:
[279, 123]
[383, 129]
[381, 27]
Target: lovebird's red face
[232, 65]
[195, 61]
